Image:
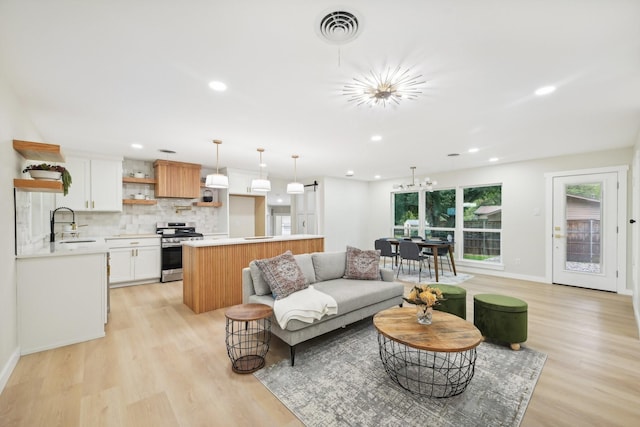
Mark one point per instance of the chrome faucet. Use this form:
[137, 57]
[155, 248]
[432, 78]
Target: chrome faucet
[52, 235]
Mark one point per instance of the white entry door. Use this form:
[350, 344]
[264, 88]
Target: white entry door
[585, 224]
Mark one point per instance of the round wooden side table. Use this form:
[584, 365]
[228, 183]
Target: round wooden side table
[248, 333]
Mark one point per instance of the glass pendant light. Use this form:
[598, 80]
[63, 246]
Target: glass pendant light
[260, 185]
[217, 180]
[295, 187]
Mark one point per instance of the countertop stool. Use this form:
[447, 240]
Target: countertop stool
[455, 300]
[501, 317]
[248, 335]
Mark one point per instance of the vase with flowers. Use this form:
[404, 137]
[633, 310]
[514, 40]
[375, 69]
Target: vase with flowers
[425, 298]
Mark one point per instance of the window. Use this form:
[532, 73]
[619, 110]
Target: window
[440, 214]
[482, 229]
[405, 214]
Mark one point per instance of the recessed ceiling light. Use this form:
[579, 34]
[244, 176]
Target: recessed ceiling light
[350, 173]
[137, 146]
[377, 177]
[474, 150]
[545, 90]
[493, 159]
[279, 200]
[376, 138]
[218, 86]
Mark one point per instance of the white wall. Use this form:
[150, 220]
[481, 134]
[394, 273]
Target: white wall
[13, 125]
[344, 214]
[523, 203]
[242, 216]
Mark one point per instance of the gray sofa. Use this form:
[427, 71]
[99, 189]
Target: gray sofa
[356, 299]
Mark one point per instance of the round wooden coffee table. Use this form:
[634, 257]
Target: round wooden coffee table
[436, 360]
[248, 334]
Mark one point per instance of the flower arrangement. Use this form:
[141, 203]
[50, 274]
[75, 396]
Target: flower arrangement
[424, 295]
[425, 298]
[66, 176]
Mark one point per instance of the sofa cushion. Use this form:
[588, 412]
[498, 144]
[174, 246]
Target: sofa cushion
[362, 265]
[306, 265]
[260, 286]
[354, 294]
[329, 265]
[283, 274]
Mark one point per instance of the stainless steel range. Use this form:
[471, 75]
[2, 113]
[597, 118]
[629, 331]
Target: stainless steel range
[173, 234]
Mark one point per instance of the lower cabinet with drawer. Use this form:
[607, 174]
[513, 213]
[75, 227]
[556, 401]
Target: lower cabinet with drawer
[134, 261]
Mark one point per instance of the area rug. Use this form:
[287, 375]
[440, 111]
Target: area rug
[338, 380]
[447, 278]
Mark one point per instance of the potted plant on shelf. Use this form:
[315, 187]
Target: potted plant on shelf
[50, 172]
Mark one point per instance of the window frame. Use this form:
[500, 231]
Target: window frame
[459, 230]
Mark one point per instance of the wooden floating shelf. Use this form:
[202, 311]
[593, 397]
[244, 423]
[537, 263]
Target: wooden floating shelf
[38, 151]
[138, 202]
[209, 204]
[132, 180]
[40, 185]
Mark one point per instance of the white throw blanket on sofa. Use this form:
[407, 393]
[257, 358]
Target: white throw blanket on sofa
[306, 305]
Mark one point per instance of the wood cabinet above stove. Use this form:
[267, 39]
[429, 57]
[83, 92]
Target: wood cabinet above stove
[177, 179]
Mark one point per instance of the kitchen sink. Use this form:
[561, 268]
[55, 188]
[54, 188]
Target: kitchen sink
[78, 241]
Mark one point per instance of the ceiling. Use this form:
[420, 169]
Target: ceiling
[100, 75]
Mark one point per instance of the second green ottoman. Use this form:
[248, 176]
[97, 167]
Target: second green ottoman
[455, 300]
[501, 317]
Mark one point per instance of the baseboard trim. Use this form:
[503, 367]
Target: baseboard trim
[8, 368]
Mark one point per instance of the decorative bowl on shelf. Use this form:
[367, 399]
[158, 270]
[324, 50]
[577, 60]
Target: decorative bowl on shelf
[46, 175]
[138, 175]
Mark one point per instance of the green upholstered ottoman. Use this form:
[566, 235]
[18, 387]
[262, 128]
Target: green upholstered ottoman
[455, 300]
[501, 317]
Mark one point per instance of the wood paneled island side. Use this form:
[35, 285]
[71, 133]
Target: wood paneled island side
[212, 269]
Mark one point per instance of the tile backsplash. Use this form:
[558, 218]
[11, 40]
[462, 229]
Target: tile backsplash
[33, 210]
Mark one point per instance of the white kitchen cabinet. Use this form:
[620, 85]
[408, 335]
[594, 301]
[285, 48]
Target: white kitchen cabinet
[96, 185]
[240, 181]
[134, 260]
[62, 300]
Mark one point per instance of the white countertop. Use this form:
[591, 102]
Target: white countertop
[247, 240]
[69, 247]
[133, 236]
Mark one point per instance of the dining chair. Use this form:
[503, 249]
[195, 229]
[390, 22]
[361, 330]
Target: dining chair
[386, 251]
[410, 251]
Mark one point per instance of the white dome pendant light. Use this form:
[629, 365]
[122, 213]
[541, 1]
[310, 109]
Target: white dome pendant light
[217, 180]
[261, 185]
[295, 187]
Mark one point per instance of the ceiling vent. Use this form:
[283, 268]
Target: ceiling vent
[339, 27]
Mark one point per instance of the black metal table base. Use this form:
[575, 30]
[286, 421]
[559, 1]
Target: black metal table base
[432, 374]
[248, 343]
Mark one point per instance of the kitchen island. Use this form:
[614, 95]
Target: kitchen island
[212, 269]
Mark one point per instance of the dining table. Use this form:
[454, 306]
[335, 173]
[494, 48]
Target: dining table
[436, 246]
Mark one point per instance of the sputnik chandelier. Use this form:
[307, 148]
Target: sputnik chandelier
[427, 183]
[384, 88]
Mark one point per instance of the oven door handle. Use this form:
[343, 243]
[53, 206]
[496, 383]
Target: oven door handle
[171, 245]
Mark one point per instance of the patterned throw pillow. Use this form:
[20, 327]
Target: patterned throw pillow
[283, 274]
[363, 265]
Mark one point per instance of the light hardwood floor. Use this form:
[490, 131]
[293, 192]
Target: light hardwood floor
[162, 365]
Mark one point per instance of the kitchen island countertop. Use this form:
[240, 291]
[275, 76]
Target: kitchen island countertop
[247, 240]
